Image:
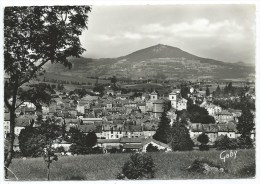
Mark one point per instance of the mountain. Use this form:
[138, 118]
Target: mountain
[158, 61]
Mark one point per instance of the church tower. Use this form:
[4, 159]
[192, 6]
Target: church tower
[173, 98]
[154, 96]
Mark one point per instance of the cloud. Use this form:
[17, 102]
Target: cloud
[203, 30]
[196, 28]
[132, 36]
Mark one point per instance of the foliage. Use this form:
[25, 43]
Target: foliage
[181, 140]
[151, 148]
[199, 114]
[38, 95]
[30, 142]
[163, 132]
[203, 138]
[38, 141]
[167, 105]
[184, 91]
[204, 166]
[247, 170]
[245, 142]
[245, 122]
[113, 80]
[79, 149]
[207, 91]
[139, 167]
[99, 88]
[33, 36]
[91, 139]
[81, 143]
[60, 149]
[225, 143]
[204, 147]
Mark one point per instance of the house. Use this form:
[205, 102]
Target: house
[21, 123]
[112, 131]
[181, 104]
[211, 108]
[211, 130]
[224, 116]
[29, 111]
[142, 107]
[158, 108]
[158, 144]
[91, 120]
[6, 123]
[63, 144]
[227, 129]
[154, 96]
[131, 144]
[195, 130]
[108, 144]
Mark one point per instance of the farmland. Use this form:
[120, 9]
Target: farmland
[106, 166]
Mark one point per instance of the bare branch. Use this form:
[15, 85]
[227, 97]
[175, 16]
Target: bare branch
[19, 105]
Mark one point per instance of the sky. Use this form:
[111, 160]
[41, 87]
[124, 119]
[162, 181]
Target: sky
[221, 32]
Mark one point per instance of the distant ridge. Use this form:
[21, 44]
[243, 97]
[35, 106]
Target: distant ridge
[158, 61]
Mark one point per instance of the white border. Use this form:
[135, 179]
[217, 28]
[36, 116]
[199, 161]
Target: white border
[135, 2]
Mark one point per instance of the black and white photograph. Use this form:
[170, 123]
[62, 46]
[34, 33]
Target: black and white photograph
[119, 92]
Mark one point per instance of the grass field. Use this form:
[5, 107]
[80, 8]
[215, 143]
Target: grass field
[107, 166]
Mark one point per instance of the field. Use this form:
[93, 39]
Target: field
[107, 166]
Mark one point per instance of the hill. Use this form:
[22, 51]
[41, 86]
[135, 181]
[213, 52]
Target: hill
[158, 61]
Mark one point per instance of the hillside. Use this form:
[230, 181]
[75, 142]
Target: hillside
[159, 61]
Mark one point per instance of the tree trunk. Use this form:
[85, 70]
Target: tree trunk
[48, 171]
[11, 137]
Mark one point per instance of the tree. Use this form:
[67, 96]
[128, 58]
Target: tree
[34, 36]
[181, 140]
[218, 91]
[38, 141]
[91, 139]
[139, 166]
[81, 143]
[197, 113]
[184, 91]
[50, 132]
[151, 148]
[113, 80]
[163, 133]
[206, 119]
[30, 143]
[207, 92]
[38, 95]
[203, 139]
[245, 126]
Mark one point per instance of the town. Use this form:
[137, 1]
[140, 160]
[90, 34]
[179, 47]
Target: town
[129, 92]
[126, 119]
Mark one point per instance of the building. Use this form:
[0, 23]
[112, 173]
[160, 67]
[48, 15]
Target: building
[158, 144]
[158, 108]
[154, 96]
[21, 123]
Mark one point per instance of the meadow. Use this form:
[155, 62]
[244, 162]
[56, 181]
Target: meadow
[170, 165]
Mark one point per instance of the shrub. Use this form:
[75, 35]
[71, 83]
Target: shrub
[76, 177]
[225, 143]
[140, 166]
[245, 142]
[151, 148]
[247, 171]
[59, 149]
[97, 150]
[204, 147]
[205, 166]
